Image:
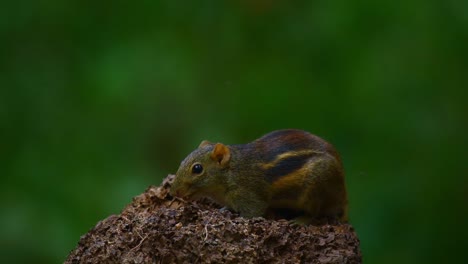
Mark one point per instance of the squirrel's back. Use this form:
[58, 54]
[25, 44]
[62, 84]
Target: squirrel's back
[304, 172]
[284, 151]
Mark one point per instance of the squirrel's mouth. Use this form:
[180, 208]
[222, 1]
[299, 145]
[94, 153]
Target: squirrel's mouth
[184, 193]
[180, 189]
[190, 195]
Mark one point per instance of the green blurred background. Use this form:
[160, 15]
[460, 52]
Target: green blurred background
[100, 100]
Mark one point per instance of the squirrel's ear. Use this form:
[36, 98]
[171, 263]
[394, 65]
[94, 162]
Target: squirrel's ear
[221, 154]
[204, 143]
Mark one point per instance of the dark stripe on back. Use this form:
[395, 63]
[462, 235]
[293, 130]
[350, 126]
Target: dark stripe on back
[286, 166]
[283, 141]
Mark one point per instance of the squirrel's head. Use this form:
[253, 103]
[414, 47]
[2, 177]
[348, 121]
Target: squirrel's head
[202, 172]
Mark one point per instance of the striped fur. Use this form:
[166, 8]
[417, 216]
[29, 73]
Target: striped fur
[287, 163]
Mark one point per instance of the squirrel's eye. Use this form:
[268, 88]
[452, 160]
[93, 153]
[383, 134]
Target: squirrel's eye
[197, 168]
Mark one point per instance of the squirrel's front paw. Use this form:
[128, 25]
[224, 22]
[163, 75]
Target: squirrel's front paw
[224, 209]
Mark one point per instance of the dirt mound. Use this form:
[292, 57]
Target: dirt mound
[155, 228]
